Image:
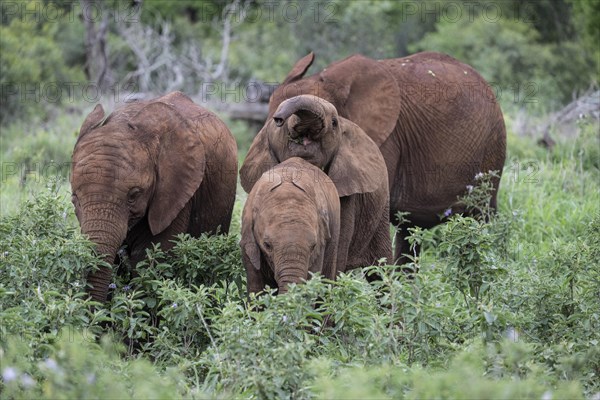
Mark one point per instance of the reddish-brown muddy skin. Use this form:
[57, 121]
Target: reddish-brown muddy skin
[435, 120]
[149, 171]
[290, 226]
[310, 128]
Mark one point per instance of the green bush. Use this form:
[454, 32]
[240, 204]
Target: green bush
[509, 304]
[32, 68]
[76, 367]
[508, 53]
[497, 375]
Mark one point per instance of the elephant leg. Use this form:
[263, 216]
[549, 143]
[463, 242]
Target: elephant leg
[381, 244]
[347, 220]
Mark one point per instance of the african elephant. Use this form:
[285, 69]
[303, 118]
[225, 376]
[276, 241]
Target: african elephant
[147, 172]
[290, 226]
[310, 128]
[435, 120]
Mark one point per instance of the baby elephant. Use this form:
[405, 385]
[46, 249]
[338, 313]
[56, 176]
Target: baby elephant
[290, 226]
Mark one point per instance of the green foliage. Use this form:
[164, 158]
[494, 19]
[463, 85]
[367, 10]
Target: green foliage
[32, 67]
[493, 376]
[77, 367]
[43, 260]
[508, 53]
[507, 303]
[586, 16]
[185, 310]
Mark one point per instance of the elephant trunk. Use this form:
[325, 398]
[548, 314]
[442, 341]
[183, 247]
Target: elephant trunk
[305, 116]
[108, 237]
[288, 272]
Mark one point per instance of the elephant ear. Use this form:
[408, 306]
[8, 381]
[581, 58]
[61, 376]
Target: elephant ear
[370, 96]
[95, 118]
[260, 158]
[300, 68]
[180, 162]
[358, 166]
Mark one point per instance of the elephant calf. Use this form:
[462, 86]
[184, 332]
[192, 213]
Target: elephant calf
[290, 226]
[148, 172]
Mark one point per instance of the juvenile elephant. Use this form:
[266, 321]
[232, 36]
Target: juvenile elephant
[435, 120]
[310, 128]
[149, 171]
[290, 226]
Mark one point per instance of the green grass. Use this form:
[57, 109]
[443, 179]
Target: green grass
[507, 309]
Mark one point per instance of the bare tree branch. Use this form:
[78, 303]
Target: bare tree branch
[97, 67]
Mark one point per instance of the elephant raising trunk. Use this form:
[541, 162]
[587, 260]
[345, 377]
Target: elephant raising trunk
[434, 119]
[305, 116]
[310, 128]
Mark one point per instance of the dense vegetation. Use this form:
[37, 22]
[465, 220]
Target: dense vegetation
[510, 305]
[501, 309]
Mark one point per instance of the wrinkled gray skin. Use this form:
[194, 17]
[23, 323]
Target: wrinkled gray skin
[310, 128]
[148, 172]
[290, 227]
[435, 120]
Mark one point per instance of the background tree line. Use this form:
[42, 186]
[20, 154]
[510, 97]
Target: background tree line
[539, 54]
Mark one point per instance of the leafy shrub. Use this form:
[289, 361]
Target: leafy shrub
[76, 367]
[43, 263]
[467, 376]
[32, 67]
[183, 320]
[508, 53]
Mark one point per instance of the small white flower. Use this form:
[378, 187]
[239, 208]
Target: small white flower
[547, 395]
[284, 318]
[174, 305]
[9, 374]
[479, 175]
[470, 188]
[51, 364]
[90, 378]
[512, 334]
[27, 380]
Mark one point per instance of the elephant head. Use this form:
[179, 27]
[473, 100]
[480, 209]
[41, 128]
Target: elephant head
[309, 127]
[362, 90]
[142, 164]
[290, 227]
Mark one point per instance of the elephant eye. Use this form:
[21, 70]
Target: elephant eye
[268, 246]
[334, 122]
[133, 194]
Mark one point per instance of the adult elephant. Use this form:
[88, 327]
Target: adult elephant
[435, 120]
[310, 128]
[147, 172]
